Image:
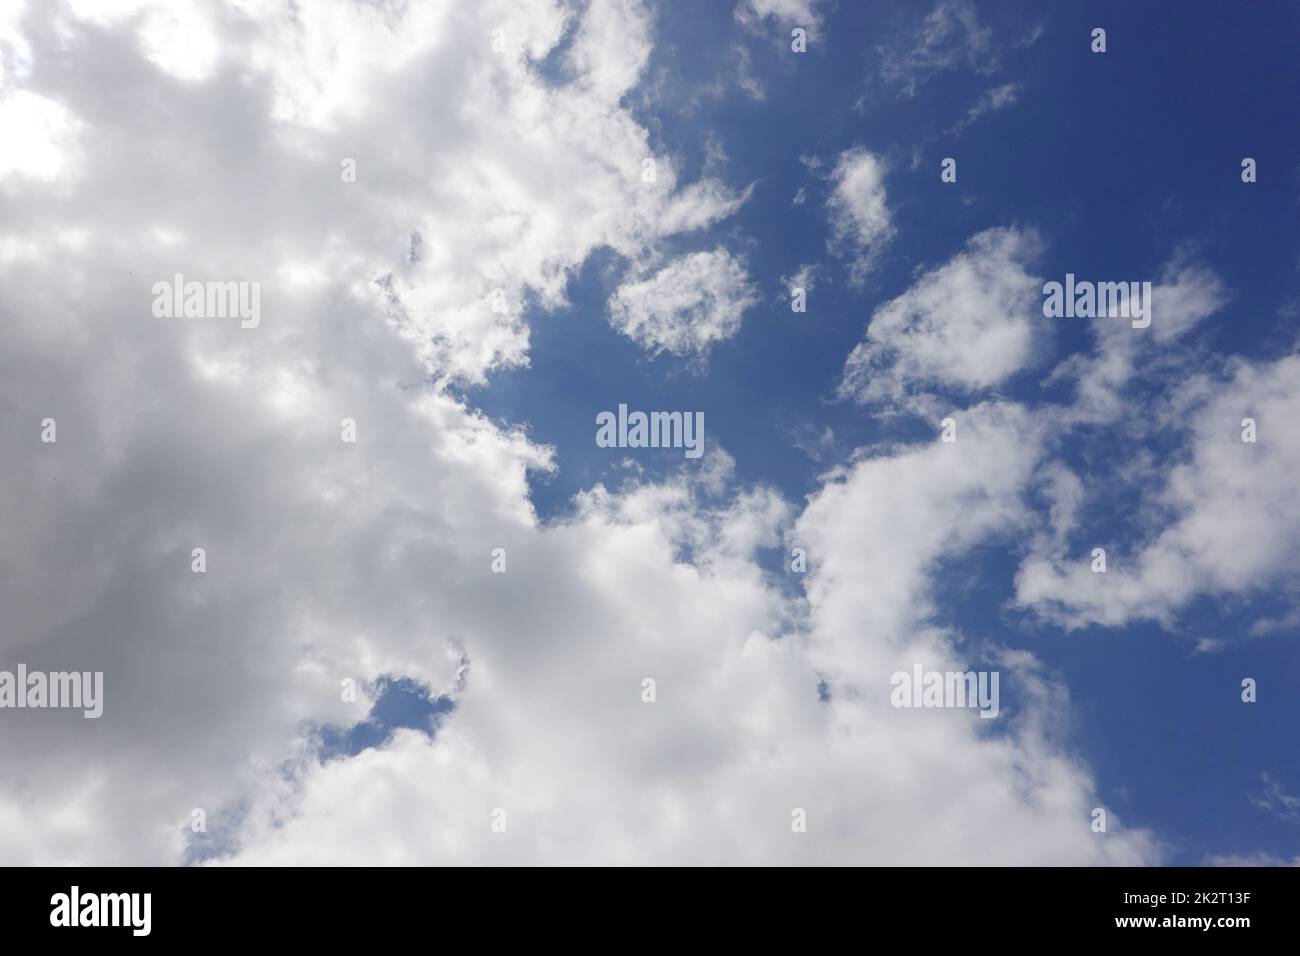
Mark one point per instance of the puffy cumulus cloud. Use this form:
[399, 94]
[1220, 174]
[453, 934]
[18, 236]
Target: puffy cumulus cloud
[1216, 519]
[860, 221]
[923, 501]
[1221, 518]
[612, 48]
[654, 583]
[456, 222]
[968, 325]
[175, 434]
[686, 307]
[317, 557]
[328, 560]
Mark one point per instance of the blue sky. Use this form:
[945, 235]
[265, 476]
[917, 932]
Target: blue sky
[206, 138]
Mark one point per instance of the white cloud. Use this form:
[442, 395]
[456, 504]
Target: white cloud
[686, 307]
[1275, 800]
[950, 37]
[709, 773]
[786, 13]
[15, 51]
[611, 48]
[860, 221]
[1184, 294]
[968, 324]
[992, 100]
[805, 277]
[317, 550]
[700, 205]
[40, 137]
[1218, 520]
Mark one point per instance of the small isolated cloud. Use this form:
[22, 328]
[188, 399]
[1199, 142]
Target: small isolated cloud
[817, 444]
[860, 220]
[968, 324]
[805, 277]
[687, 306]
[950, 38]
[1034, 34]
[997, 98]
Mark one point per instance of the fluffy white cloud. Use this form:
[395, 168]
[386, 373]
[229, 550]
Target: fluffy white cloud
[1215, 518]
[1222, 518]
[860, 221]
[1183, 294]
[968, 324]
[175, 434]
[710, 773]
[686, 307]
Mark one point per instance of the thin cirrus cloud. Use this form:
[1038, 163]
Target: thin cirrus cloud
[950, 37]
[991, 101]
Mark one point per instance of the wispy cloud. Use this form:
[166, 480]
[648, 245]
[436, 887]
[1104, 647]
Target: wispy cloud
[949, 38]
[997, 98]
[1276, 800]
